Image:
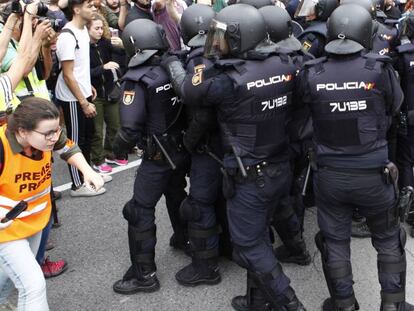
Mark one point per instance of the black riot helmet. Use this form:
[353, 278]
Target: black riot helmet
[195, 23]
[236, 29]
[408, 26]
[349, 30]
[324, 9]
[142, 38]
[279, 26]
[256, 3]
[366, 4]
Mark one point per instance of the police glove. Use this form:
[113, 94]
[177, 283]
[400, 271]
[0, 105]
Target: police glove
[121, 145]
[167, 59]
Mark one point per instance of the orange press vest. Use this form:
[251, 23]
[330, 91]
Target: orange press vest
[25, 179]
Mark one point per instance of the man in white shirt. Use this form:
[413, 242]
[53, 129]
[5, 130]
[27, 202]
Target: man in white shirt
[73, 87]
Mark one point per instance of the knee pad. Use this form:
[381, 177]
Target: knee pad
[130, 212]
[189, 211]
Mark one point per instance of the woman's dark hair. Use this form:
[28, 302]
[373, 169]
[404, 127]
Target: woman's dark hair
[30, 112]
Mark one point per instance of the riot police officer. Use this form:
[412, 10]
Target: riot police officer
[201, 139]
[253, 97]
[405, 142]
[385, 40]
[385, 34]
[351, 116]
[151, 116]
[289, 216]
[313, 38]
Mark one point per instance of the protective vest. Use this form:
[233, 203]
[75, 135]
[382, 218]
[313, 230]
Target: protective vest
[254, 123]
[25, 179]
[348, 110]
[384, 42]
[406, 70]
[162, 105]
[313, 38]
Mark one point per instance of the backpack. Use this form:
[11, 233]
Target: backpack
[56, 68]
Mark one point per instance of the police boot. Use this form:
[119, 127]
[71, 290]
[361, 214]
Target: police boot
[294, 251]
[329, 305]
[359, 227]
[179, 242]
[200, 271]
[141, 276]
[343, 271]
[131, 283]
[390, 306]
[253, 300]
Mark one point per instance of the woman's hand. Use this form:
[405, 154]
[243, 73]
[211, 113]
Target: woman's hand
[110, 66]
[117, 42]
[93, 180]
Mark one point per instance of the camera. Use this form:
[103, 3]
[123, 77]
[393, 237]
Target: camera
[42, 8]
[57, 24]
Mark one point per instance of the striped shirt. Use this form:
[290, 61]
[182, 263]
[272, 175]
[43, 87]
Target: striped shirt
[6, 93]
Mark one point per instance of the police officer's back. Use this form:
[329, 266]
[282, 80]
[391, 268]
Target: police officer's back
[351, 115]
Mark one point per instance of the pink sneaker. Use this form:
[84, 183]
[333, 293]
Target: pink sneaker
[117, 162]
[103, 168]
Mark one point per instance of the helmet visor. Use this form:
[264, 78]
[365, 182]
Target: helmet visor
[216, 45]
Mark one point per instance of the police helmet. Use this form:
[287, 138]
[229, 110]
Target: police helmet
[256, 3]
[324, 8]
[349, 30]
[143, 38]
[195, 23]
[236, 29]
[408, 26]
[366, 4]
[279, 26]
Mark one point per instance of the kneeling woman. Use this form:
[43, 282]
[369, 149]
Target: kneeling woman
[26, 144]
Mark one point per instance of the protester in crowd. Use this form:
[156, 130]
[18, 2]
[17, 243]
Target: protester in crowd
[391, 10]
[114, 6]
[26, 145]
[103, 73]
[74, 88]
[163, 11]
[139, 9]
[56, 14]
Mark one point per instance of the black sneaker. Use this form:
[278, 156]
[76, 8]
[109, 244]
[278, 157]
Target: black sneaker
[284, 255]
[147, 284]
[192, 275]
[360, 230]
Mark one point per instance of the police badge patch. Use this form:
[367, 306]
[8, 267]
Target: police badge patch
[198, 74]
[306, 45]
[128, 97]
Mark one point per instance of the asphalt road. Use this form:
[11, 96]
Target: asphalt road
[93, 240]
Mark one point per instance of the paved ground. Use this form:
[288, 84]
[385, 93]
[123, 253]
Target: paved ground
[93, 239]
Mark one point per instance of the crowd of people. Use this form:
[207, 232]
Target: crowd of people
[268, 107]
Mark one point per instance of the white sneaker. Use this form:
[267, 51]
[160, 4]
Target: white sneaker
[7, 307]
[84, 191]
[106, 178]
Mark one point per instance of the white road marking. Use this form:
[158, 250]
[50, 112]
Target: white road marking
[115, 170]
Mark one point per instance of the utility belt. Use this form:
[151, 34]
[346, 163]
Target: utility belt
[161, 148]
[253, 172]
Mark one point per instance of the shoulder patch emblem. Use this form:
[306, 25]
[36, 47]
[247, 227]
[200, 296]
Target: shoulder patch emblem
[307, 45]
[198, 74]
[128, 97]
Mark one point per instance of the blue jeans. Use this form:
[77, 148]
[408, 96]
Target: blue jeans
[18, 266]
